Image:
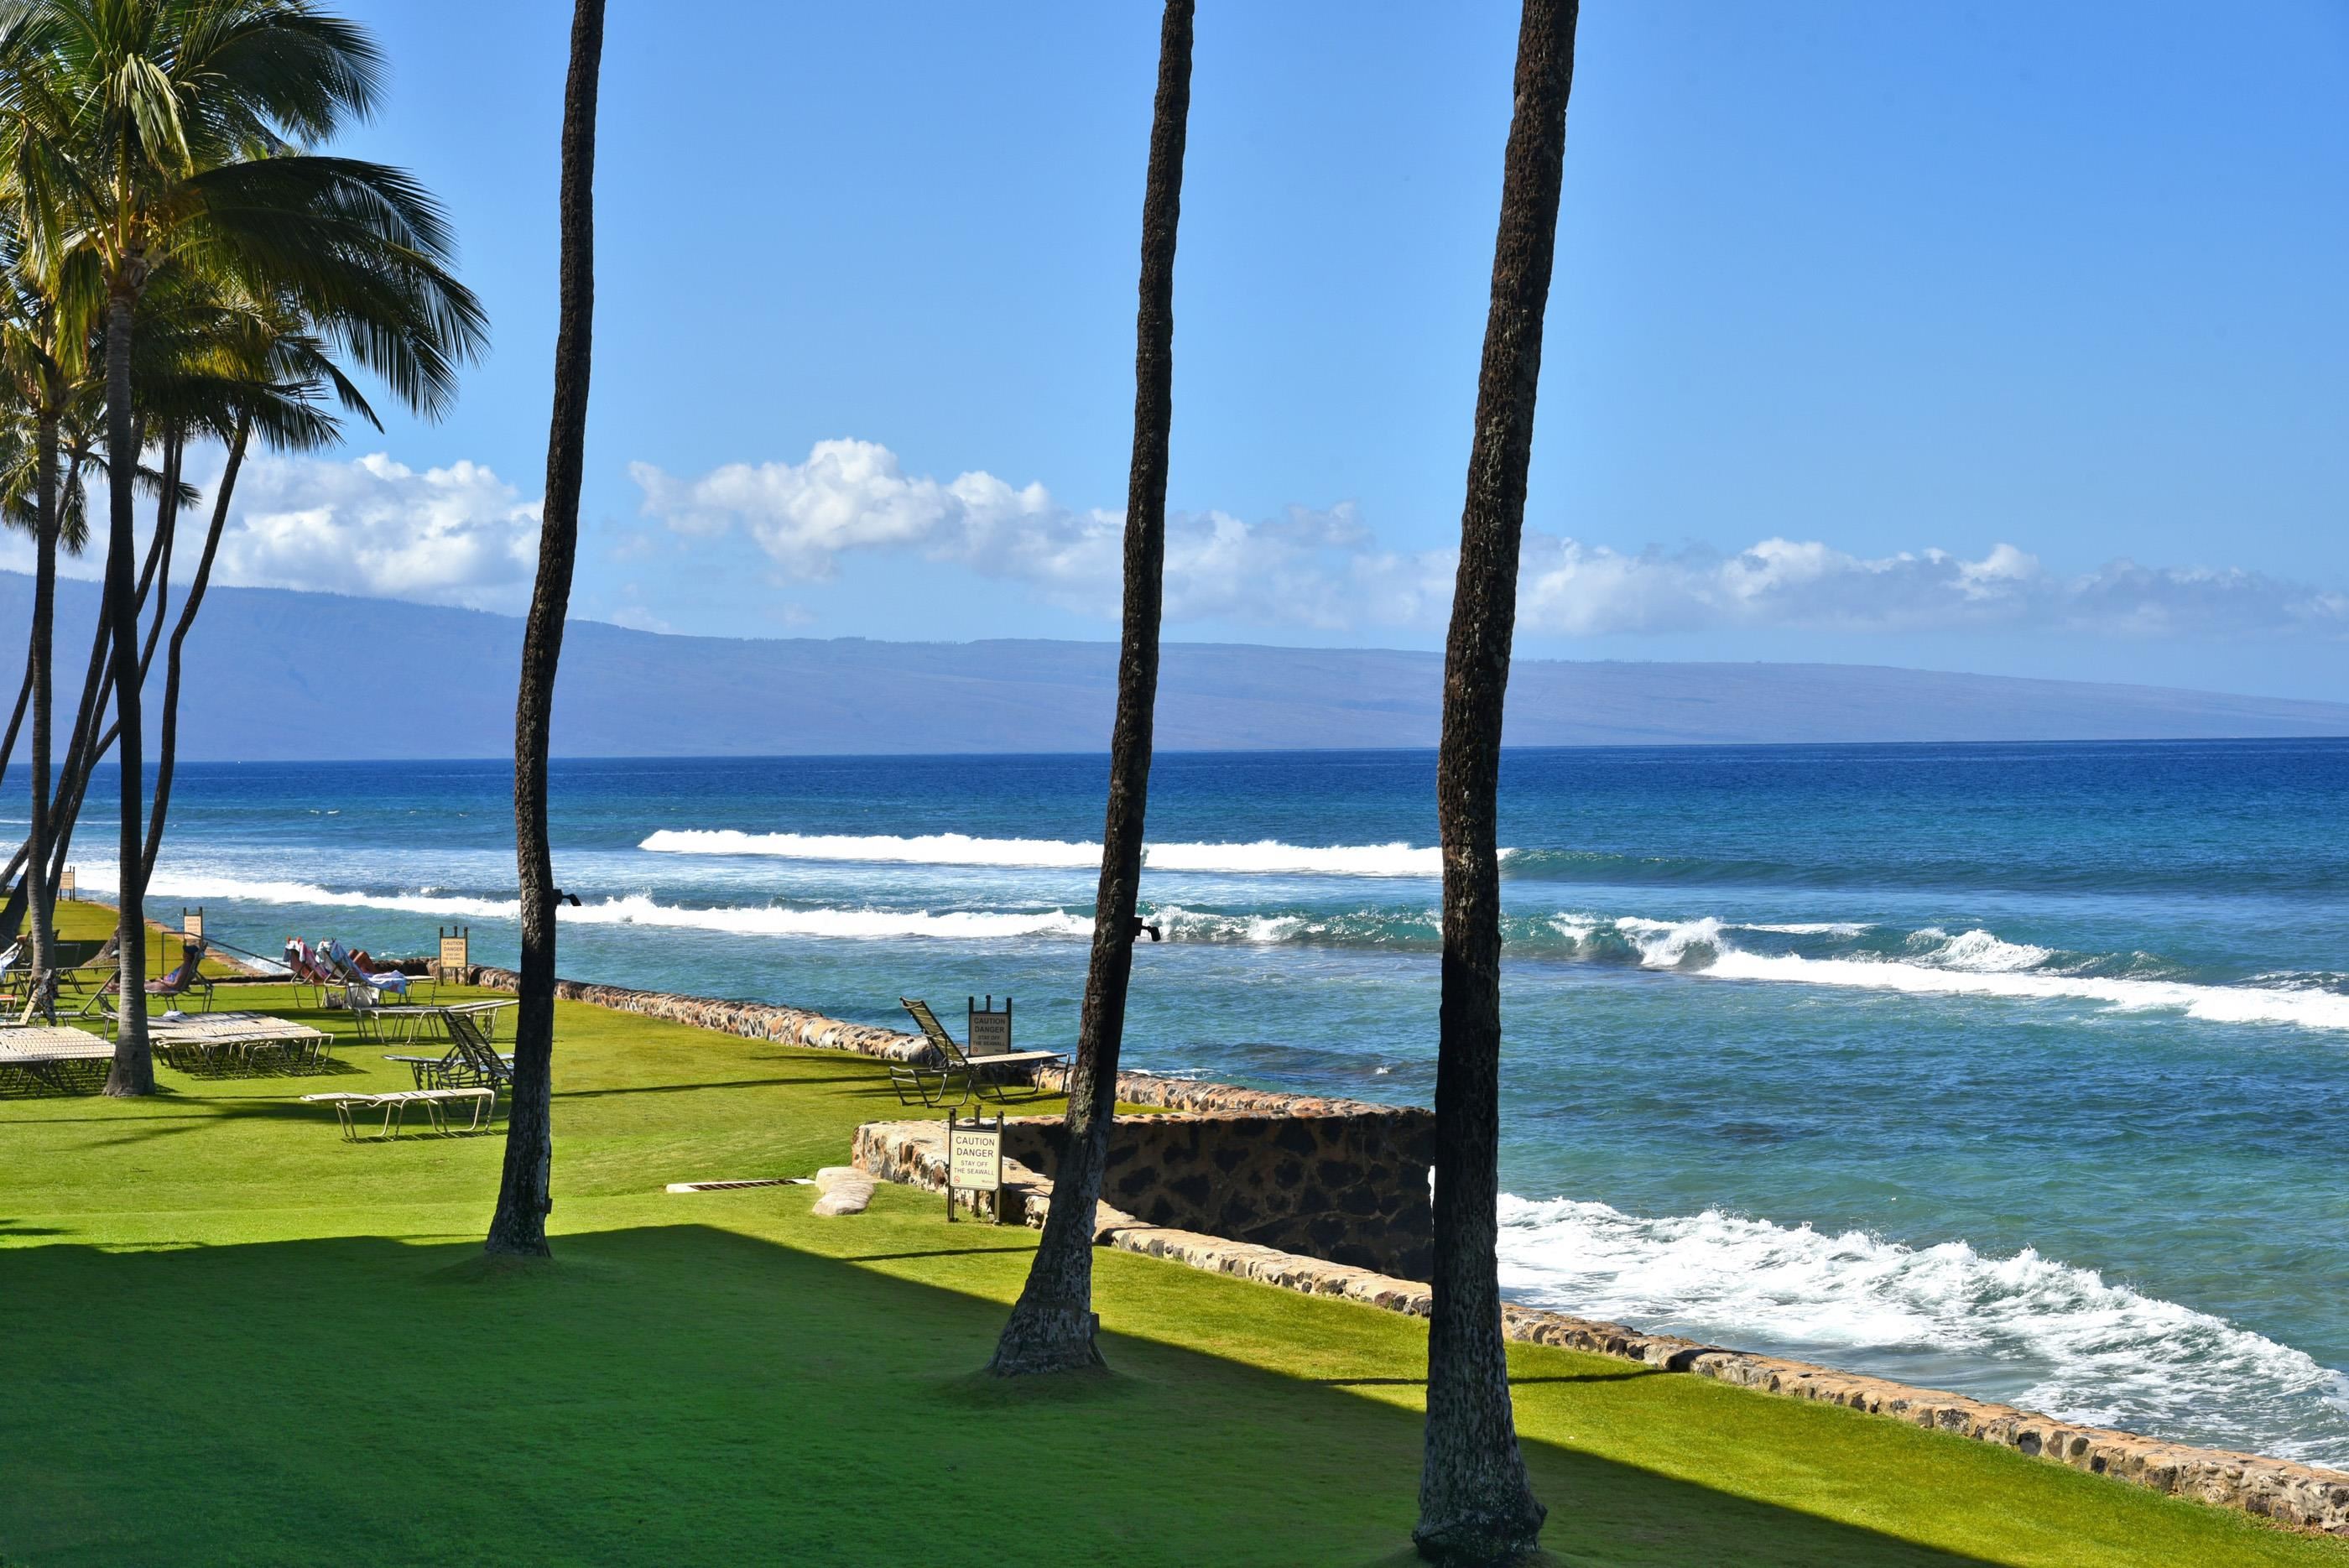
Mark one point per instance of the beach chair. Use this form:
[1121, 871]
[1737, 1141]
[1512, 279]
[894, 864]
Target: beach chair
[484, 1066]
[394, 1105]
[15, 970]
[237, 1041]
[451, 1066]
[372, 985]
[187, 979]
[470, 1061]
[85, 964]
[308, 974]
[99, 1003]
[53, 1060]
[995, 1075]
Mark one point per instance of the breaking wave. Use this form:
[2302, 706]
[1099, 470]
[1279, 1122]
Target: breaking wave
[1266, 856]
[2060, 1339]
[1929, 961]
[639, 910]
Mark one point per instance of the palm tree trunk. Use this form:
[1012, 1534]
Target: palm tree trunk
[16, 723]
[88, 747]
[133, 1072]
[1474, 1504]
[525, 1196]
[167, 749]
[64, 804]
[1051, 1327]
[45, 602]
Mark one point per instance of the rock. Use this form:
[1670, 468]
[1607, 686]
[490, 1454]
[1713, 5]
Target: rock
[849, 1192]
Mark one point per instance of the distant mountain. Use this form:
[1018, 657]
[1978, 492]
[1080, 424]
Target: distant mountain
[276, 675]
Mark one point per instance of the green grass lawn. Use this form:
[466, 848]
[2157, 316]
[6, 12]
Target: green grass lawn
[237, 1339]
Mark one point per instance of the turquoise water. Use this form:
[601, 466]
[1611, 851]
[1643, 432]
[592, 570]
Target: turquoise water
[2021, 1070]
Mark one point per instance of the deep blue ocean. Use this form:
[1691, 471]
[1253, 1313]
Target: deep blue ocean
[2019, 1070]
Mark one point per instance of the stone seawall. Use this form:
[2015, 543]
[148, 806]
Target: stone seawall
[1348, 1188]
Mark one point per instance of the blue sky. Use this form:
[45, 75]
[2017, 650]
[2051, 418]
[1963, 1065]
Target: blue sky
[1993, 338]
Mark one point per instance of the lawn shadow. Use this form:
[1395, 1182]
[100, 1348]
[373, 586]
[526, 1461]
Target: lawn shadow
[684, 1394]
[137, 1129]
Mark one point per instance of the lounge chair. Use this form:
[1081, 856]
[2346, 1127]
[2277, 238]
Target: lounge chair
[85, 964]
[100, 1002]
[372, 984]
[82, 952]
[998, 1075]
[308, 972]
[483, 1063]
[54, 1060]
[393, 1103]
[470, 1061]
[244, 1042]
[407, 1022]
[187, 979]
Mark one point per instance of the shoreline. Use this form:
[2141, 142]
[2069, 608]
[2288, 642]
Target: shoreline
[2283, 1491]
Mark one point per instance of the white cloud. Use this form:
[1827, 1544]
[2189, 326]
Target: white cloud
[1325, 571]
[1321, 570]
[1578, 590]
[458, 536]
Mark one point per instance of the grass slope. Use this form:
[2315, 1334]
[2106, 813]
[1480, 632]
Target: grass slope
[238, 1339]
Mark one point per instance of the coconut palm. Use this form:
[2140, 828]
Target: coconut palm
[525, 1192]
[155, 133]
[82, 452]
[41, 369]
[1051, 1327]
[43, 365]
[1474, 1505]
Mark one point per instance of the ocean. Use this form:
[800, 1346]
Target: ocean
[2019, 1070]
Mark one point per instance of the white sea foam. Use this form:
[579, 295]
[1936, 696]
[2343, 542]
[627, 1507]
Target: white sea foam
[1810, 928]
[2212, 1003]
[1265, 858]
[1674, 944]
[952, 924]
[637, 910]
[2077, 1345]
[1977, 950]
[1972, 963]
[169, 884]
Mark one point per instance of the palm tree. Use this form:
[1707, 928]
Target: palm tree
[1474, 1505]
[526, 1193]
[42, 378]
[42, 354]
[48, 408]
[1051, 1328]
[88, 744]
[162, 132]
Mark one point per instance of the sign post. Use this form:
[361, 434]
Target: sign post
[988, 1031]
[975, 1160]
[455, 958]
[66, 887]
[191, 923]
